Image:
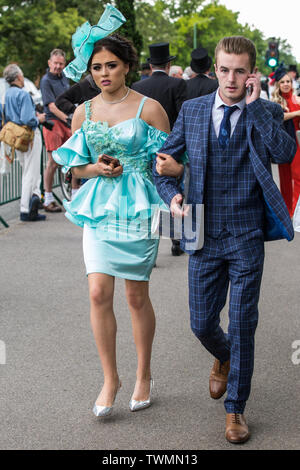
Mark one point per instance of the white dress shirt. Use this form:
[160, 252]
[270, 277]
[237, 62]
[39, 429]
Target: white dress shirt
[218, 113]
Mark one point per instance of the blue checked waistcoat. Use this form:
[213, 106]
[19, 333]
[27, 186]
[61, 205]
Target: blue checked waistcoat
[266, 141]
[232, 196]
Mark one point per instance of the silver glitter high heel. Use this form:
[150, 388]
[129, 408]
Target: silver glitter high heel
[136, 405]
[102, 411]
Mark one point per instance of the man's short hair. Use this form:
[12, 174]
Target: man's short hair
[174, 69]
[237, 45]
[11, 73]
[159, 66]
[58, 52]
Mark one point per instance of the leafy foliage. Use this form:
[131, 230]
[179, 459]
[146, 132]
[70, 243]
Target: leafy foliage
[153, 25]
[174, 21]
[130, 31]
[30, 29]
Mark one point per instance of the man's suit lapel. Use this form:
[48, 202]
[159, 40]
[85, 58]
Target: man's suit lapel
[203, 118]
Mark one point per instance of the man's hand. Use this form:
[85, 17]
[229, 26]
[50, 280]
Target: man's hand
[41, 117]
[168, 166]
[57, 112]
[176, 206]
[255, 83]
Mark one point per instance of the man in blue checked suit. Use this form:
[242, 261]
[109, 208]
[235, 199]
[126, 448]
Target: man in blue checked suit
[231, 136]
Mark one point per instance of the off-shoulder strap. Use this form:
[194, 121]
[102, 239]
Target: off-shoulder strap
[87, 109]
[141, 106]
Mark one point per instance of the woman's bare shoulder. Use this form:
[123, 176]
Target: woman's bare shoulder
[155, 115]
[152, 105]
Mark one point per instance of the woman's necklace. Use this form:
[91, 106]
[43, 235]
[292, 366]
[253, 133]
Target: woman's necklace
[117, 101]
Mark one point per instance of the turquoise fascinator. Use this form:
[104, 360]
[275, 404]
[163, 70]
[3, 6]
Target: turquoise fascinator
[85, 37]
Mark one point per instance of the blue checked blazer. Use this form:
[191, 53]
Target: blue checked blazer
[268, 142]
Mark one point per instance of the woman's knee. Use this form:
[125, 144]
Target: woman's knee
[137, 294]
[136, 300]
[99, 295]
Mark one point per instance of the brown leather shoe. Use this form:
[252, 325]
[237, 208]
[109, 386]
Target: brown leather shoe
[52, 207]
[218, 379]
[237, 430]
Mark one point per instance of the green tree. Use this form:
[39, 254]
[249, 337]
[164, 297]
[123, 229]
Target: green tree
[130, 31]
[29, 30]
[153, 25]
[175, 9]
[89, 9]
[212, 23]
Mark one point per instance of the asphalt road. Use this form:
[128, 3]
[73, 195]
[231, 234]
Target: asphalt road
[52, 373]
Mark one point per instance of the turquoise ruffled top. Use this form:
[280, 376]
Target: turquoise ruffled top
[130, 197]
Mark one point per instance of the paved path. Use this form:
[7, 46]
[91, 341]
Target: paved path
[52, 374]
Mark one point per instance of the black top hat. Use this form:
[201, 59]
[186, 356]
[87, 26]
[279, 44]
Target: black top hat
[280, 72]
[160, 54]
[201, 62]
[293, 68]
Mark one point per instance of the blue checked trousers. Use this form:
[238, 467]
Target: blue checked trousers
[238, 261]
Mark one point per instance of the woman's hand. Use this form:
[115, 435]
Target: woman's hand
[168, 166]
[107, 170]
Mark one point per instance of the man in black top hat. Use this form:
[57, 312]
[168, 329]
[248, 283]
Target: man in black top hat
[170, 92]
[293, 73]
[201, 84]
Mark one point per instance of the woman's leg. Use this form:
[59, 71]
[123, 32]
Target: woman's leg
[101, 287]
[143, 325]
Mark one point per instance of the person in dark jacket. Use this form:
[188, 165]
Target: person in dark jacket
[77, 94]
[201, 84]
[170, 92]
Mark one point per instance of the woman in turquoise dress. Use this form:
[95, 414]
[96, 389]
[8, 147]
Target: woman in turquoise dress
[115, 206]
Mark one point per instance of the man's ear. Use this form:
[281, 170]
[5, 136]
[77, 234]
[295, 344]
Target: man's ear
[216, 67]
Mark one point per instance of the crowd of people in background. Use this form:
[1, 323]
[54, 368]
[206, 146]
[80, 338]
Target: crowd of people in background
[161, 79]
[140, 142]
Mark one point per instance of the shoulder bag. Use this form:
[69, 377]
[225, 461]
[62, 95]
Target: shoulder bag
[15, 136]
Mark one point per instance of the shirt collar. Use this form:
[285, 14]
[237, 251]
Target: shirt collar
[55, 76]
[219, 102]
[159, 70]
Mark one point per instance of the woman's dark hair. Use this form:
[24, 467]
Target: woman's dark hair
[120, 47]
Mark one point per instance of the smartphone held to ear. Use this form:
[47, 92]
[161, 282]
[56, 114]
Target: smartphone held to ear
[249, 90]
